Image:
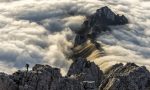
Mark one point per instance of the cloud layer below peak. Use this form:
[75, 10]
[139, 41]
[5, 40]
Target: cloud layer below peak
[41, 31]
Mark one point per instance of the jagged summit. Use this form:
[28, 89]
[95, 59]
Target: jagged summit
[85, 42]
[102, 18]
[105, 15]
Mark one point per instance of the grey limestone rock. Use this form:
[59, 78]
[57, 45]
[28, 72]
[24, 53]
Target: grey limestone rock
[126, 77]
[86, 71]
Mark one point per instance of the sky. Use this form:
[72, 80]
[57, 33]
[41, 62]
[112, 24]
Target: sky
[42, 31]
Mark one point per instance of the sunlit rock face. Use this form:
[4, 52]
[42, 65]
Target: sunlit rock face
[126, 77]
[88, 49]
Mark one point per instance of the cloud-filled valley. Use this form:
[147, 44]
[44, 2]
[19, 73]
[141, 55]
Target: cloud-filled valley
[42, 31]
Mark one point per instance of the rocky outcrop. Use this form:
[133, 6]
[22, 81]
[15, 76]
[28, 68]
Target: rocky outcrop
[39, 78]
[100, 20]
[95, 24]
[126, 77]
[82, 75]
[84, 70]
[44, 77]
[6, 83]
[106, 16]
[67, 84]
[89, 50]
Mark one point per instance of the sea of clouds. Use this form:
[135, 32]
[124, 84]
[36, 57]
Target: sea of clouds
[42, 31]
[131, 42]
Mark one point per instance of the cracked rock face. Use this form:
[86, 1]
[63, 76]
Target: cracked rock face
[83, 75]
[86, 71]
[100, 20]
[44, 77]
[105, 16]
[40, 78]
[126, 77]
[6, 83]
[67, 84]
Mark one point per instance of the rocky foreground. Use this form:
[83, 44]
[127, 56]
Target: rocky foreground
[83, 74]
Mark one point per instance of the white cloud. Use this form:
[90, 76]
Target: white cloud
[40, 31]
[128, 43]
